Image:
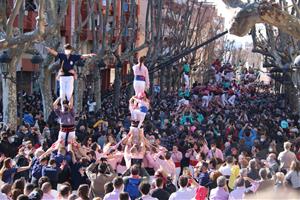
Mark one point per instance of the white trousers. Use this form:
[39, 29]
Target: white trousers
[224, 100]
[137, 115]
[178, 170]
[231, 100]
[66, 87]
[139, 86]
[186, 81]
[62, 136]
[205, 101]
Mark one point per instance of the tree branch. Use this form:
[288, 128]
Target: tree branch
[297, 9]
[12, 17]
[37, 34]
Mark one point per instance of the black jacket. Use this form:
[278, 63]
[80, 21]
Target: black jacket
[160, 194]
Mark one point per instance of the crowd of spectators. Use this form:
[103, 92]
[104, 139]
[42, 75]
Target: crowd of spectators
[231, 138]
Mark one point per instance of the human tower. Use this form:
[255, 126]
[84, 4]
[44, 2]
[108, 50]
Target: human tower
[138, 105]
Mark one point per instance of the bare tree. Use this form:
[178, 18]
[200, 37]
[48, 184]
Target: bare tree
[15, 43]
[55, 15]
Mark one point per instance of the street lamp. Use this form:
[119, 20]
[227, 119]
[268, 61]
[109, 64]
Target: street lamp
[5, 59]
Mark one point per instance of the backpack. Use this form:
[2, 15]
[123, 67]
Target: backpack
[132, 187]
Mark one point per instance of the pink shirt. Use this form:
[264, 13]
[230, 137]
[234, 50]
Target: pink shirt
[113, 161]
[217, 154]
[193, 155]
[150, 162]
[167, 166]
[204, 149]
[177, 157]
[143, 71]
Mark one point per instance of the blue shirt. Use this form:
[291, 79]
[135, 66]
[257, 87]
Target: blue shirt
[51, 173]
[203, 179]
[284, 124]
[249, 141]
[28, 119]
[8, 174]
[37, 170]
[59, 159]
[143, 109]
[68, 63]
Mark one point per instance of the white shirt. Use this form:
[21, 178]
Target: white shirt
[183, 194]
[112, 195]
[237, 194]
[229, 76]
[225, 170]
[92, 106]
[147, 197]
[3, 196]
[232, 98]
[218, 77]
[48, 196]
[186, 80]
[294, 178]
[286, 158]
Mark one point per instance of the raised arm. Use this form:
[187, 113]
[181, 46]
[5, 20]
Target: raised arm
[51, 51]
[147, 78]
[48, 151]
[73, 155]
[90, 168]
[55, 104]
[20, 169]
[84, 56]
[71, 102]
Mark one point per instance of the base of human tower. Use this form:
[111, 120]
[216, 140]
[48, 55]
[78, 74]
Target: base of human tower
[136, 135]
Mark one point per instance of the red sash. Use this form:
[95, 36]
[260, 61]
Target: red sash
[177, 164]
[193, 162]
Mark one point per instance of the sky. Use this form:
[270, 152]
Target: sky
[228, 14]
